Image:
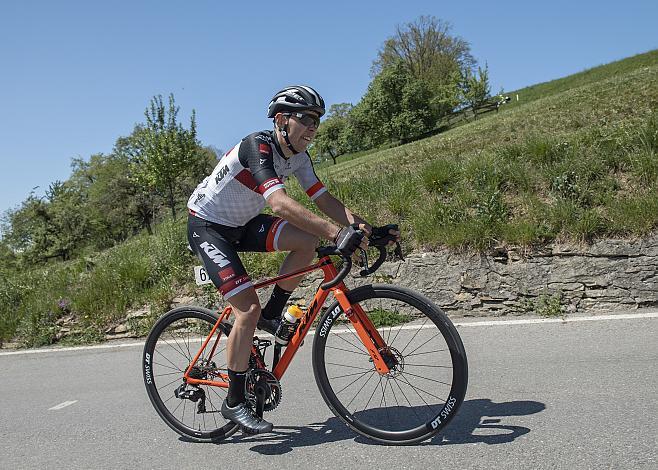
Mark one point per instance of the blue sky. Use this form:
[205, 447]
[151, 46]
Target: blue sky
[76, 75]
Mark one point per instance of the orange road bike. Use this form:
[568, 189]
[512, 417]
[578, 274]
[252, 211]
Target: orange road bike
[397, 383]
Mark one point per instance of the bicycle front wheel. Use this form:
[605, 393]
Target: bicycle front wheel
[192, 411]
[428, 373]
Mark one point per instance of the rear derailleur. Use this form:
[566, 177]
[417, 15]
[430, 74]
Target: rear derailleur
[192, 392]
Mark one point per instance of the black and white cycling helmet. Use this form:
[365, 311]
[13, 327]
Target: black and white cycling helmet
[296, 99]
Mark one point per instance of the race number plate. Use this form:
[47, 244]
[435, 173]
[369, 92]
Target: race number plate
[201, 276]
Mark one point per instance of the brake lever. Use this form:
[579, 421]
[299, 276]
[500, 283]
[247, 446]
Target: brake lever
[364, 259]
[398, 251]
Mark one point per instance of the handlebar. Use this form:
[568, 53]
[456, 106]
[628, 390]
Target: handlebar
[346, 268]
[380, 242]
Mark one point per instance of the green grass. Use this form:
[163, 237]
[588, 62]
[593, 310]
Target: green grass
[98, 291]
[576, 158]
[584, 78]
[576, 163]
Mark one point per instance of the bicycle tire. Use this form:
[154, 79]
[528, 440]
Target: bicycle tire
[167, 354]
[401, 422]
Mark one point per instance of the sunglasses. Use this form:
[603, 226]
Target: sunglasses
[307, 120]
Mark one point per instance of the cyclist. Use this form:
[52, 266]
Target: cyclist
[225, 218]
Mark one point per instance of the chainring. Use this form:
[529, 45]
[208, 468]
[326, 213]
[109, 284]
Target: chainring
[274, 393]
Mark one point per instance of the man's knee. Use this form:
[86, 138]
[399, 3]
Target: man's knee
[246, 305]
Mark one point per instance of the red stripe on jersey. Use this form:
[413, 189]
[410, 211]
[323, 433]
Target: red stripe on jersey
[269, 242]
[314, 189]
[264, 148]
[246, 178]
[227, 153]
[268, 184]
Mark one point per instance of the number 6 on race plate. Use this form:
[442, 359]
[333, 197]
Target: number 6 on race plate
[201, 276]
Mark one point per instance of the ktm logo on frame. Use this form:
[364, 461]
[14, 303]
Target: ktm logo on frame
[215, 254]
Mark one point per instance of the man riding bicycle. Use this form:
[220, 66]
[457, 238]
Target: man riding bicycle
[225, 218]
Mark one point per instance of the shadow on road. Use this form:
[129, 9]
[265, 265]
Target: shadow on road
[478, 421]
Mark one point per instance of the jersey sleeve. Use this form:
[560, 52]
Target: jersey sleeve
[256, 154]
[309, 180]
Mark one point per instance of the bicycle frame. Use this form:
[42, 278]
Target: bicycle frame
[364, 328]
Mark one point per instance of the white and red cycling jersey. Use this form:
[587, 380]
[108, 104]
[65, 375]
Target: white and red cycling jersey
[237, 189]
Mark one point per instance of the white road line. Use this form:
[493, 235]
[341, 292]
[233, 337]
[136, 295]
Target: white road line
[62, 405]
[529, 321]
[621, 316]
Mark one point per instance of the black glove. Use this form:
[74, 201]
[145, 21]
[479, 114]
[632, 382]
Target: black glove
[380, 235]
[348, 239]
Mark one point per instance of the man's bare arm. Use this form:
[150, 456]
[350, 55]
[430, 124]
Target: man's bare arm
[292, 211]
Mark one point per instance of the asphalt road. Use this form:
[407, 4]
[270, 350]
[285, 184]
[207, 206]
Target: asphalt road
[572, 395]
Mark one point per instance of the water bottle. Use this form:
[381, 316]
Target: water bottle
[288, 324]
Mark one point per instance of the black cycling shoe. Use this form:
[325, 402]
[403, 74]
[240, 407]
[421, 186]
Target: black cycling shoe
[268, 325]
[245, 417]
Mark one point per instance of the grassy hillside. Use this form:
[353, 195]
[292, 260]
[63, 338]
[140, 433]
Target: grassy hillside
[575, 158]
[579, 162]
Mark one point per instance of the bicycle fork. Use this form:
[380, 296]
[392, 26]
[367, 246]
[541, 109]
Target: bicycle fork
[366, 331]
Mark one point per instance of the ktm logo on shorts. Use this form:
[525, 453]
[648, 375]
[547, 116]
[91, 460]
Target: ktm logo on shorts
[215, 254]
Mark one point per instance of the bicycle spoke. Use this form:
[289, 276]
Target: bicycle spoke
[177, 348]
[349, 375]
[167, 359]
[384, 401]
[425, 365]
[186, 341]
[415, 334]
[396, 336]
[352, 344]
[373, 393]
[165, 366]
[425, 378]
[352, 382]
[419, 396]
[413, 408]
[170, 373]
[178, 379]
[438, 334]
[346, 350]
[362, 388]
[418, 388]
[349, 367]
[394, 396]
[428, 352]
[180, 402]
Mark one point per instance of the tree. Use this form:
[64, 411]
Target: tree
[116, 206]
[166, 150]
[54, 226]
[69, 223]
[395, 107]
[330, 138]
[143, 196]
[431, 53]
[475, 89]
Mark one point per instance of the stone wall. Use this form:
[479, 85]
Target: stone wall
[607, 275]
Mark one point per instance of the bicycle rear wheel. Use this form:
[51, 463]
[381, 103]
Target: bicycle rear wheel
[192, 411]
[428, 377]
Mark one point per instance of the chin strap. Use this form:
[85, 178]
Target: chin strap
[284, 133]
